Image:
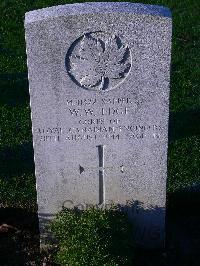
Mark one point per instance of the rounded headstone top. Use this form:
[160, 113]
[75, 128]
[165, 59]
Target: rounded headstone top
[96, 7]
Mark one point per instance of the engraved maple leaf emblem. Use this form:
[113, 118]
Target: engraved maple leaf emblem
[98, 61]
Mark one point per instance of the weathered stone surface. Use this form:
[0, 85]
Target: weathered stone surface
[99, 87]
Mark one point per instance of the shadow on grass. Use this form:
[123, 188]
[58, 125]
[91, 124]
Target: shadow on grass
[148, 229]
[16, 160]
[185, 201]
[184, 124]
[20, 243]
[149, 221]
[182, 233]
[17, 179]
[14, 89]
[21, 246]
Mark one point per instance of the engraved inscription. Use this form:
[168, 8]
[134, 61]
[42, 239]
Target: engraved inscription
[101, 168]
[104, 111]
[91, 130]
[92, 101]
[51, 134]
[101, 173]
[98, 61]
[100, 119]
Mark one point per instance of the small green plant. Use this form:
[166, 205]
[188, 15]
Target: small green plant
[93, 237]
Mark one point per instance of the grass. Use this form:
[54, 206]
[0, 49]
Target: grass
[17, 182]
[93, 237]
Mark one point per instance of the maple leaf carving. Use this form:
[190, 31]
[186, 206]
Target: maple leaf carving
[98, 61]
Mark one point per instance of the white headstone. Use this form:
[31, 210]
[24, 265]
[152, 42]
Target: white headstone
[99, 87]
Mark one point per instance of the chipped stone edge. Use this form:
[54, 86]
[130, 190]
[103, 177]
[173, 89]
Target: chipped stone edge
[96, 7]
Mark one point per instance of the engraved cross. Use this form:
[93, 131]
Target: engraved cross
[101, 168]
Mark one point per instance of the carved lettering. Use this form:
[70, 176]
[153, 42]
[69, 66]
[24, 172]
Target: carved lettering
[137, 136]
[114, 111]
[92, 121]
[74, 111]
[89, 111]
[49, 138]
[103, 101]
[116, 101]
[76, 137]
[114, 121]
[99, 128]
[53, 130]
